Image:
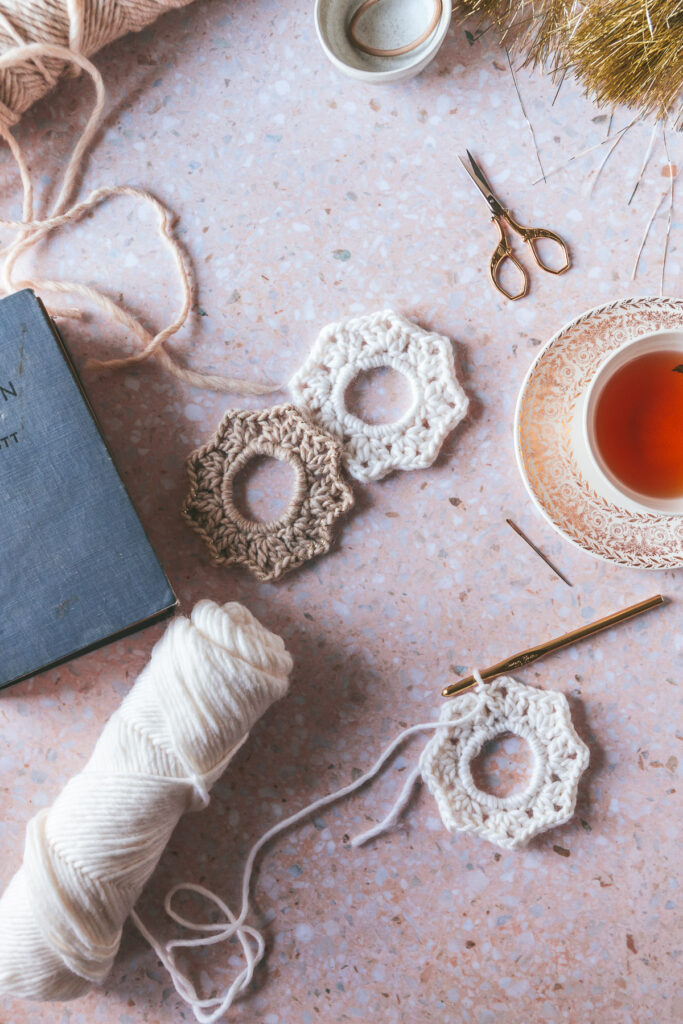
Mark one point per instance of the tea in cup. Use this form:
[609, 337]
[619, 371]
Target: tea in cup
[633, 421]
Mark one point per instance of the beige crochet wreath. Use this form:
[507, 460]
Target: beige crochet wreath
[321, 494]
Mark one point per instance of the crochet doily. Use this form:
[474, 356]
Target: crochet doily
[268, 549]
[354, 345]
[542, 718]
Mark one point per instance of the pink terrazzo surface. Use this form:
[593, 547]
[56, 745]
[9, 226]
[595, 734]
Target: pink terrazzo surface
[303, 197]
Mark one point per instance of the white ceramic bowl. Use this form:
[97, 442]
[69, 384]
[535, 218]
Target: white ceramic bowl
[657, 342]
[388, 24]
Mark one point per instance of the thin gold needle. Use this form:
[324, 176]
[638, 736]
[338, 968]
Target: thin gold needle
[534, 653]
[538, 551]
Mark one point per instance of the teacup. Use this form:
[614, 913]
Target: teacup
[625, 418]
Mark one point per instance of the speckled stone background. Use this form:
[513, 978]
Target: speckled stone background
[302, 197]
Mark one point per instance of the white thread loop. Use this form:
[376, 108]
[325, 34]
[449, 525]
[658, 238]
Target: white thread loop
[405, 794]
[250, 938]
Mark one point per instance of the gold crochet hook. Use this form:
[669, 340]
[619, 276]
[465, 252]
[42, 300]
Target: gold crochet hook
[534, 653]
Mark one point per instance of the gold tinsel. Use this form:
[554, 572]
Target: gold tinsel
[623, 51]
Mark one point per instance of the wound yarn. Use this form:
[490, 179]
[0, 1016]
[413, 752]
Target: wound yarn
[88, 857]
[82, 26]
[460, 719]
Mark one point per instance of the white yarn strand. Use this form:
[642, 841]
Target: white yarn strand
[250, 939]
[394, 814]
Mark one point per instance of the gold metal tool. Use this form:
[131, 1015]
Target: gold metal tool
[503, 251]
[534, 653]
[534, 547]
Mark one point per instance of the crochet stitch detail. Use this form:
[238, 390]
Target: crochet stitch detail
[357, 344]
[542, 718]
[305, 530]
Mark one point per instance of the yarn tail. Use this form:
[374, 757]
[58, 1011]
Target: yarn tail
[31, 229]
[210, 1010]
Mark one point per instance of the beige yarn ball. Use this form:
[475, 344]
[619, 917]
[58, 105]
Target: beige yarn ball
[82, 26]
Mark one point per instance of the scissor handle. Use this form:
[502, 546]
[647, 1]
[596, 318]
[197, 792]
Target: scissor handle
[531, 235]
[502, 253]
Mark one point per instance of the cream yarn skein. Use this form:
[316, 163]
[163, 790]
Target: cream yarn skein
[87, 858]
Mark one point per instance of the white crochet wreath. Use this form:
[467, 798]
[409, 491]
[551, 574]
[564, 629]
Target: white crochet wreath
[543, 719]
[357, 344]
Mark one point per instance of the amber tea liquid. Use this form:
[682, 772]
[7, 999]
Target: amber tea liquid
[639, 424]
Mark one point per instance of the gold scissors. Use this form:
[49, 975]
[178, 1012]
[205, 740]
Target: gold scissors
[503, 250]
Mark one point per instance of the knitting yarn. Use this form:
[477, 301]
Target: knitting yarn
[207, 682]
[87, 858]
[465, 724]
[27, 72]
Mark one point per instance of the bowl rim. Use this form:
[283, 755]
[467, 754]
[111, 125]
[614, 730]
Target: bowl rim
[423, 54]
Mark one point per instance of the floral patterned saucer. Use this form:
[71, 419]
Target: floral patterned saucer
[551, 451]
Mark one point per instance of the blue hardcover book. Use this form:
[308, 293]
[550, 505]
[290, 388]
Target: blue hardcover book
[76, 567]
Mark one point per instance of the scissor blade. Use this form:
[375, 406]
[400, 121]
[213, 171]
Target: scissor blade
[479, 178]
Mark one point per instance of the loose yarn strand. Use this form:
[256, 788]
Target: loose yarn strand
[30, 51]
[29, 231]
[250, 939]
[404, 796]
[394, 814]
[24, 174]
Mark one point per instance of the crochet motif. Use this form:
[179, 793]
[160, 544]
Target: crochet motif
[345, 349]
[271, 549]
[542, 718]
